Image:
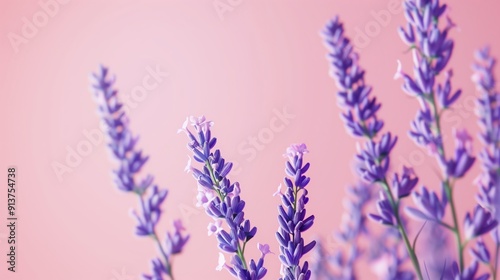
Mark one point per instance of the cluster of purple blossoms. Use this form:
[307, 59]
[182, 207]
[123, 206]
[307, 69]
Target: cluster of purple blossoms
[123, 147]
[361, 120]
[292, 217]
[432, 50]
[489, 119]
[222, 202]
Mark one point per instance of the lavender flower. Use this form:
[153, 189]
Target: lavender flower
[489, 119]
[292, 217]
[320, 264]
[354, 96]
[222, 202]
[479, 223]
[432, 50]
[468, 273]
[481, 252]
[340, 265]
[361, 120]
[429, 206]
[122, 144]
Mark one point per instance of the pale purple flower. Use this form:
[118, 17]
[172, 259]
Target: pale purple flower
[264, 249]
[215, 227]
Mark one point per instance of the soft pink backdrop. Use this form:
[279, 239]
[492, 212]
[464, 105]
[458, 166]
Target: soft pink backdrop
[259, 57]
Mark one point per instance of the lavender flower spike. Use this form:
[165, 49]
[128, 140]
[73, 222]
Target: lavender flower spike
[292, 217]
[222, 202]
[489, 119]
[122, 144]
[432, 50]
[360, 117]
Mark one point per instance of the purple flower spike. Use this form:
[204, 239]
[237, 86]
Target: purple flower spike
[479, 223]
[221, 200]
[489, 120]
[432, 49]
[360, 117]
[429, 206]
[123, 147]
[292, 217]
[354, 96]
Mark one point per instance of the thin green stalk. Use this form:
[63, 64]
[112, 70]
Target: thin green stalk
[401, 229]
[447, 186]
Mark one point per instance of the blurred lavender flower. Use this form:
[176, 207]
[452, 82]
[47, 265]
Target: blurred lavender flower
[292, 217]
[489, 120]
[361, 120]
[354, 96]
[221, 200]
[481, 252]
[320, 264]
[429, 206]
[479, 223]
[437, 253]
[122, 144]
[341, 265]
[432, 50]
[468, 273]
[389, 266]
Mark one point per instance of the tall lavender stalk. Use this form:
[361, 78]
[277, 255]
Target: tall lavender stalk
[292, 217]
[222, 202]
[432, 50]
[489, 119]
[123, 146]
[361, 121]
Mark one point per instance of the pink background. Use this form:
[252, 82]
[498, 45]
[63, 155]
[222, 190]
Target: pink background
[237, 70]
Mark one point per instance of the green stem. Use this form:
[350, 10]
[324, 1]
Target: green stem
[168, 266]
[447, 186]
[495, 265]
[401, 229]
